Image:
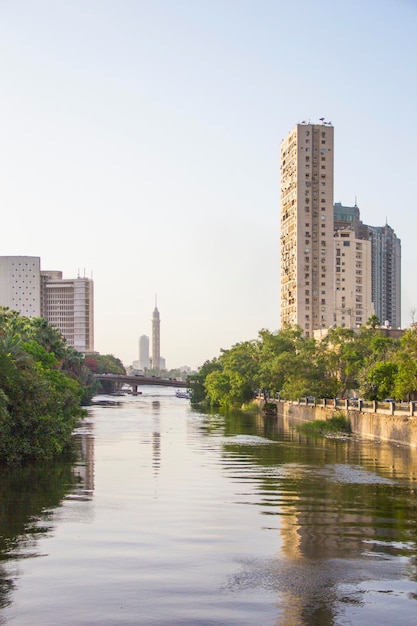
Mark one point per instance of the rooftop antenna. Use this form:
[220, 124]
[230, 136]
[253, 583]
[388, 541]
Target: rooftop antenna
[156, 301]
[78, 274]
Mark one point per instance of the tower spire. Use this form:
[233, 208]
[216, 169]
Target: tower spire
[156, 337]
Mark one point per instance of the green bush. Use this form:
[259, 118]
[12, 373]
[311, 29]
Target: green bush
[337, 424]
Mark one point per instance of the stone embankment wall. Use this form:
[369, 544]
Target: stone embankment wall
[398, 427]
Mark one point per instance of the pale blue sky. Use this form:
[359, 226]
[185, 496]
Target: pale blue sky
[139, 140]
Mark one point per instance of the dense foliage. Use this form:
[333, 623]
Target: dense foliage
[43, 383]
[364, 362]
[105, 364]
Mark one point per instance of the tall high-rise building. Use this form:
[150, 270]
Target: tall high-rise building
[386, 274]
[156, 338]
[144, 361]
[67, 304]
[334, 268]
[385, 269]
[307, 246]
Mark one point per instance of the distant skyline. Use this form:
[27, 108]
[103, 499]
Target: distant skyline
[140, 145]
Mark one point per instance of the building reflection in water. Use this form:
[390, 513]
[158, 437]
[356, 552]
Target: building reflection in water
[84, 467]
[156, 437]
[338, 519]
[156, 446]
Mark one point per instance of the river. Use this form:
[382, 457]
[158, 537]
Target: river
[173, 517]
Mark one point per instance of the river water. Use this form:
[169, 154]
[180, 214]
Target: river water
[174, 517]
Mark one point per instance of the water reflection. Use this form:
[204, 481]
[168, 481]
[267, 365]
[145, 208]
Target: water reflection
[156, 445]
[29, 499]
[344, 512]
[28, 496]
[84, 467]
[198, 519]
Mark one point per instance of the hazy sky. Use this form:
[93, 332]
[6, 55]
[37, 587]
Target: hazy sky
[139, 142]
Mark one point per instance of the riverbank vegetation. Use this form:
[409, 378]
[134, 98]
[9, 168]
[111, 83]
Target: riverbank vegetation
[337, 425]
[43, 383]
[286, 362]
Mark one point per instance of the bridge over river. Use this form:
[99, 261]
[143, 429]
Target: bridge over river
[135, 381]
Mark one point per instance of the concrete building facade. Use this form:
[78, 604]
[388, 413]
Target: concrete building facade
[353, 292]
[67, 304]
[307, 247]
[335, 270]
[386, 274]
[20, 284]
[385, 271]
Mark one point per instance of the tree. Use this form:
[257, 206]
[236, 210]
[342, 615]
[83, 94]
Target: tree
[344, 358]
[273, 371]
[39, 401]
[198, 392]
[406, 360]
[218, 387]
[373, 321]
[378, 380]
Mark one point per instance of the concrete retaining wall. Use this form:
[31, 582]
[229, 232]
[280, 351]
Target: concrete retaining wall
[400, 429]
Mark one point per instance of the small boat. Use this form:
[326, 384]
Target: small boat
[182, 394]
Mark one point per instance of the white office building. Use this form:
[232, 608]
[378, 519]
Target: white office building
[20, 284]
[67, 304]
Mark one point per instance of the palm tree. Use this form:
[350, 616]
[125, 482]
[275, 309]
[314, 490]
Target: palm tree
[48, 337]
